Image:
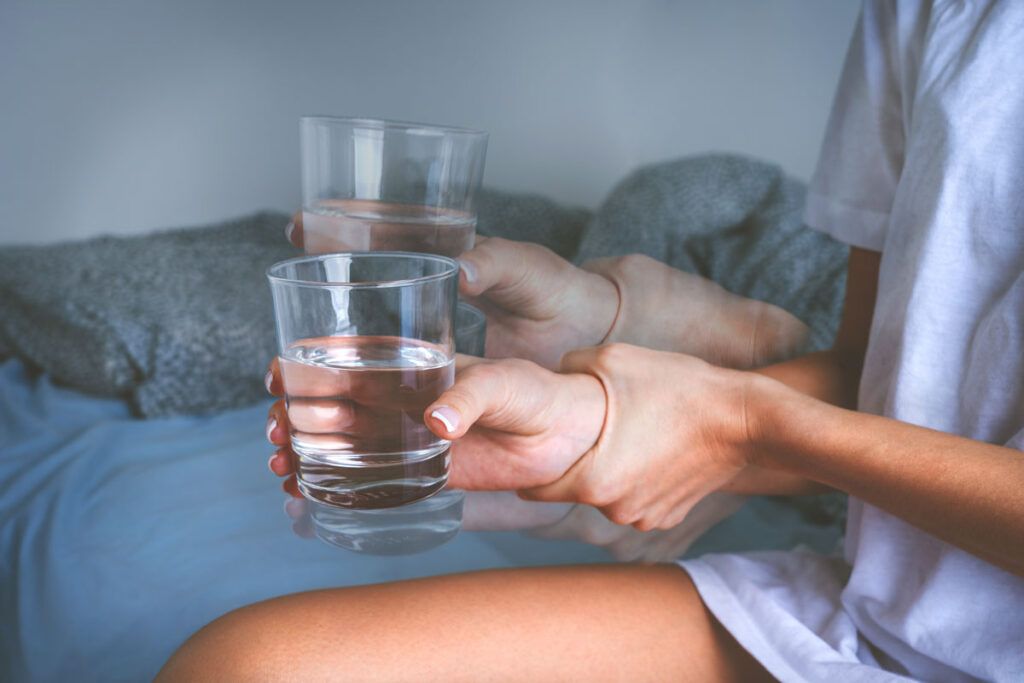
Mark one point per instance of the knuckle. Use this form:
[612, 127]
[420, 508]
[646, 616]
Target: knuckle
[645, 524]
[495, 249]
[479, 373]
[634, 263]
[494, 379]
[519, 366]
[497, 243]
[599, 492]
[622, 515]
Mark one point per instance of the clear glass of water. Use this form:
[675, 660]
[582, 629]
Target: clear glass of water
[365, 344]
[375, 185]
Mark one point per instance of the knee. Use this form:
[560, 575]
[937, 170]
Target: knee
[239, 646]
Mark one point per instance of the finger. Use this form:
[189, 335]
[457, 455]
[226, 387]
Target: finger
[580, 360]
[277, 424]
[562, 490]
[293, 231]
[272, 380]
[508, 395]
[291, 487]
[601, 266]
[323, 415]
[282, 462]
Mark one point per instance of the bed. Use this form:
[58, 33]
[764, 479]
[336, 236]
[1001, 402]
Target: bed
[120, 536]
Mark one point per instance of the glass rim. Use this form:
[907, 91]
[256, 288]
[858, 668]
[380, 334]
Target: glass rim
[452, 269]
[411, 127]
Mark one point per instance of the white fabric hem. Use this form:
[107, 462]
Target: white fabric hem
[754, 637]
[722, 603]
[855, 226]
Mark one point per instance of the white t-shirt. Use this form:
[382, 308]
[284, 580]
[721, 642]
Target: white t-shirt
[923, 161]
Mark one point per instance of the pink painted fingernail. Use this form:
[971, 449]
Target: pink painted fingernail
[267, 380]
[449, 417]
[469, 270]
[271, 426]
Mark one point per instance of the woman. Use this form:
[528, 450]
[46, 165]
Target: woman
[920, 172]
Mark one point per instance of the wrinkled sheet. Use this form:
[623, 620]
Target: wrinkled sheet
[120, 537]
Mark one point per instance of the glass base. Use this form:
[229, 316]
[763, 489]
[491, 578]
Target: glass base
[405, 530]
[373, 486]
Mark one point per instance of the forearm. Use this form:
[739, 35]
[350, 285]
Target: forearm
[829, 376]
[667, 309]
[966, 492]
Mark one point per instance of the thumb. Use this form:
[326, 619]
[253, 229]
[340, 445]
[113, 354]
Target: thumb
[582, 360]
[511, 273]
[492, 264]
[293, 231]
[508, 395]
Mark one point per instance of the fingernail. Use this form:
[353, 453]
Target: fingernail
[288, 230]
[469, 270]
[271, 426]
[270, 463]
[267, 379]
[446, 416]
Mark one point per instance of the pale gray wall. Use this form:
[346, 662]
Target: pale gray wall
[127, 116]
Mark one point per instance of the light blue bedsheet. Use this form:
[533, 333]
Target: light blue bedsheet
[120, 537]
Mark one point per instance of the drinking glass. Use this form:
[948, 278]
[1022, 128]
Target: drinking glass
[365, 344]
[410, 529]
[375, 185]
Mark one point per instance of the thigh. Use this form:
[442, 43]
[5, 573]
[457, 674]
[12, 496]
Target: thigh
[595, 623]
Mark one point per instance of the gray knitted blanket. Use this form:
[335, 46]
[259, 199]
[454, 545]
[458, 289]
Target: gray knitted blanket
[177, 321]
[180, 321]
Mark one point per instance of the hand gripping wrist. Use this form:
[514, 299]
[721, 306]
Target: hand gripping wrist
[674, 430]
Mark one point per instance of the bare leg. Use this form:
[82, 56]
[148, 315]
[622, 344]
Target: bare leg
[594, 623]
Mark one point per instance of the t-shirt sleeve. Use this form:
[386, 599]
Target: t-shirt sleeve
[852, 189]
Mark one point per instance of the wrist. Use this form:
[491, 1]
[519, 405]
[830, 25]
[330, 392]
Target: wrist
[615, 276]
[605, 298]
[772, 414]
